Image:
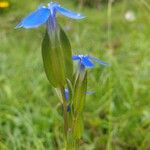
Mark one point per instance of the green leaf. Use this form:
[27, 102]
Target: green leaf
[53, 60]
[57, 57]
[67, 54]
[78, 127]
[80, 93]
[70, 89]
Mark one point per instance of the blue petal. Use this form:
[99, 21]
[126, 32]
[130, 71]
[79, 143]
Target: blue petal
[68, 13]
[86, 62]
[67, 94]
[98, 60]
[35, 18]
[76, 57]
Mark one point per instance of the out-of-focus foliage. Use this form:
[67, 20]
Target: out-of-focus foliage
[89, 3]
[93, 3]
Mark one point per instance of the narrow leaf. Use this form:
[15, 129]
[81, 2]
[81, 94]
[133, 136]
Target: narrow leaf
[80, 93]
[53, 60]
[78, 127]
[67, 52]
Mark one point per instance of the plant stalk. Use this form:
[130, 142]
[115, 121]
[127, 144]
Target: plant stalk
[70, 142]
[62, 89]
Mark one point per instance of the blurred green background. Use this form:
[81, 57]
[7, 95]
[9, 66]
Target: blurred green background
[117, 115]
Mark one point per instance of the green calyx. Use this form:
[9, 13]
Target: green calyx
[57, 57]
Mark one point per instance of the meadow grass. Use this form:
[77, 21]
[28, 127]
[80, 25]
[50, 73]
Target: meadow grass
[117, 115]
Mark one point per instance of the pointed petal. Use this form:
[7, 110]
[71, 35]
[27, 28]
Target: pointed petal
[86, 62]
[68, 13]
[98, 60]
[35, 18]
[76, 57]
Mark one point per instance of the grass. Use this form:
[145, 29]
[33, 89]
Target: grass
[117, 115]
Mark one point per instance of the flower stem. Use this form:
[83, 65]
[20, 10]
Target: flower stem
[70, 142]
[64, 111]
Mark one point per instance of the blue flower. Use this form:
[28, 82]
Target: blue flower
[86, 61]
[47, 15]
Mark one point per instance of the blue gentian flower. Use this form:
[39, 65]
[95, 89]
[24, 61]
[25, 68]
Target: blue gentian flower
[86, 61]
[47, 15]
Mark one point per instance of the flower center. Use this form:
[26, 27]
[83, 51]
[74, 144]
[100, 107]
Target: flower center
[52, 22]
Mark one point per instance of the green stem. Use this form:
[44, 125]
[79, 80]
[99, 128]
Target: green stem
[70, 142]
[64, 111]
[77, 145]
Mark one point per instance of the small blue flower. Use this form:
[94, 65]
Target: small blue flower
[47, 15]
[86, 61]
